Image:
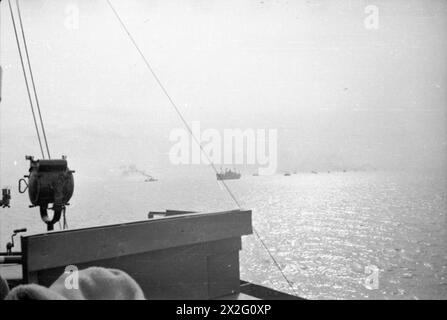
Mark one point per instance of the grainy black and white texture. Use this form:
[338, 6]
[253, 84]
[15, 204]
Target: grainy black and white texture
[355, 92]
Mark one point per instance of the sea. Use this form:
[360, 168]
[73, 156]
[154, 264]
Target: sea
[334, 235]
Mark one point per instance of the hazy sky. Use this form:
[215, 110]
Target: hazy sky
[339, 94]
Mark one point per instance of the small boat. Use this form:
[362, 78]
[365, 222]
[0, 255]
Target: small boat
[228, 175]
[287, 174]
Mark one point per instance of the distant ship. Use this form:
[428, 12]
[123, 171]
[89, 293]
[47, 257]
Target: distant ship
[228, 175]
[150, 179]
[287, 174]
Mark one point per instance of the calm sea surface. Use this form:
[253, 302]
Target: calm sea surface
[326, 230]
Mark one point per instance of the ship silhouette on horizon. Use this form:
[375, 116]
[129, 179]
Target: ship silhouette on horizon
[228, 174]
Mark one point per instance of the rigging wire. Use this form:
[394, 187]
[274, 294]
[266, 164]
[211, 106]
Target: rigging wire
[26, 79]
[32, 78]
[275, 262]
[173, 104]
[177, 110]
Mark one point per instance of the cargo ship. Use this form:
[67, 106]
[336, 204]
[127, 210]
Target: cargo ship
[228, 174]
